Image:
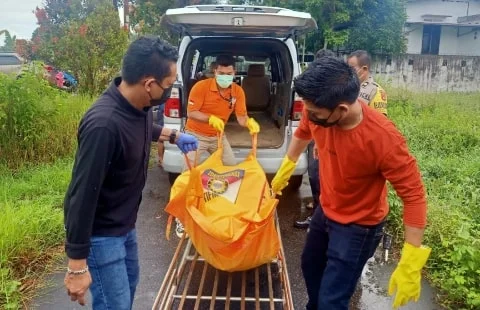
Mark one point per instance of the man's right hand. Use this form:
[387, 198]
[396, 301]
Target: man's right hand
[280, 181]
[216, 123]
[77, 285]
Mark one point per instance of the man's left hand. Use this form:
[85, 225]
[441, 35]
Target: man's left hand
[77, 286]
[253, 126]
[187, 143]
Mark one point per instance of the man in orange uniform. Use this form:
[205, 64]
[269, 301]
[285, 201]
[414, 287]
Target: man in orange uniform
[210, 104]
[359, 150]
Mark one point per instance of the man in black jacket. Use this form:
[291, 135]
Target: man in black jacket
[110, 170]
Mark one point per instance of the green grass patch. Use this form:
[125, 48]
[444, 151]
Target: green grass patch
[39, 126]
[32, 227]
[443, 132]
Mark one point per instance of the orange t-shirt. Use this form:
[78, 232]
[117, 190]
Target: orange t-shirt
[355, 165]
[206, 98]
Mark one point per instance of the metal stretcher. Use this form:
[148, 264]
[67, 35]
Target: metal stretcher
[191, 283]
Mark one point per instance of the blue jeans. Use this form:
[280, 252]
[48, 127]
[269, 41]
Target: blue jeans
[113, 264]
[333, 258]
[313, 175]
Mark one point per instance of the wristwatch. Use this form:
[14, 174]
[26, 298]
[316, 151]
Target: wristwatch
[173, 136]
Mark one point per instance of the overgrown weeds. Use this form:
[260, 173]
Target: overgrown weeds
[443, 131]
[38, 122]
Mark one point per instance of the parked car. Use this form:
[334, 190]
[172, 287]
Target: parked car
[11, 63]
[60, 79]
[262, 39]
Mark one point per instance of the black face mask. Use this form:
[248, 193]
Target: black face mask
[322, 121]
[163, 98]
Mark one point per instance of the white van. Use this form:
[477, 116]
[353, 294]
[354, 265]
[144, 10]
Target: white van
[262, 40]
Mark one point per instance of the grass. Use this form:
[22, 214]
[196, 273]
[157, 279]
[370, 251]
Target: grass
[32, 227]
[443, 132]
[39, 125]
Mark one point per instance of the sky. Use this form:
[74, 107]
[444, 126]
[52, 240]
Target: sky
[17, 17]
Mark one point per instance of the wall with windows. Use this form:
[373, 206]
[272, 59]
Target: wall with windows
[427, 33]
[451, 8]
[463, 41]
[428, 72]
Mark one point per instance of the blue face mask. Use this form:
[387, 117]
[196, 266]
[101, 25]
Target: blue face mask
[224, 81]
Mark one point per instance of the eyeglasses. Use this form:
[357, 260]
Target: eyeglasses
[158, 83]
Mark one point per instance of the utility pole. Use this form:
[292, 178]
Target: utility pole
[126, 18]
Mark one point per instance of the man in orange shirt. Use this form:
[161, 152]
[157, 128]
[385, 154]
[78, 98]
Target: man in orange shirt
[359, 150]
[370, 92]
[210, 104]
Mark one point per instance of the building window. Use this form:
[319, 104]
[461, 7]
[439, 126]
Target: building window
[431, 39]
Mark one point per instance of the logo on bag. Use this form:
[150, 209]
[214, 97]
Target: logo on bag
[225, 184]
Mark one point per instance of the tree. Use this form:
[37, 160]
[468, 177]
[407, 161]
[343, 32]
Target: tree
[373, 25]
[54, 18]
[146, 15]
[381, 30]
[92, 49]
[9, 42]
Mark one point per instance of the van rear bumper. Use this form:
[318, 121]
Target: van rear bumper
[173, 162]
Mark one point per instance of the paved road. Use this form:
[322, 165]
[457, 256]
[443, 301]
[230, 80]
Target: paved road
[156, 253]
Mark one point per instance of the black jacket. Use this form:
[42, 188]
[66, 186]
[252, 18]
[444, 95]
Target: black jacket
[109, 172]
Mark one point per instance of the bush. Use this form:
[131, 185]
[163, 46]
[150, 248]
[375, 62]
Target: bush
[443, 133]
[38, 122]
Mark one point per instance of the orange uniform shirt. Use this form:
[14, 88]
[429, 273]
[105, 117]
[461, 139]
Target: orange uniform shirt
[206, 98]
[355, 165]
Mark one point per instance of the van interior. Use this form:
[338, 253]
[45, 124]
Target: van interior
[264, 70]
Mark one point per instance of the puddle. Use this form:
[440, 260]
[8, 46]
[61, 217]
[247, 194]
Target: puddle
[372, 289]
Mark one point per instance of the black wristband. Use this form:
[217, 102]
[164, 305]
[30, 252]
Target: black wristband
[173, 136]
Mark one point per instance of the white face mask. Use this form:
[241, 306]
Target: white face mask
[224, 80]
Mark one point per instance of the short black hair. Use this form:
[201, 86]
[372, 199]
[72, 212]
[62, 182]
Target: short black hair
[148, 56]
[225, 60]
[324, 53]
[363, 58]
[327, 82]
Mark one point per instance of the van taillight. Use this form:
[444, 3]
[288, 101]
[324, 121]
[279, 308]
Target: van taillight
[172, 106]
[297, 108]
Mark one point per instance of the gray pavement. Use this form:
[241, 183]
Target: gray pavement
[155, 254]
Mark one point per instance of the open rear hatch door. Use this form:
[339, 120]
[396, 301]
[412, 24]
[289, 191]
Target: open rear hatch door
[238, 20]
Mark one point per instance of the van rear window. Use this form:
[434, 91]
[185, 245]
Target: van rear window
[241, 63]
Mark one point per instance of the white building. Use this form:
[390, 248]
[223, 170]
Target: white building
[443, 27]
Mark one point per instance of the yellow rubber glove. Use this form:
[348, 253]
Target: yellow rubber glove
[216, 123]
[280, 181]
[253, 126]
[407, 276]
